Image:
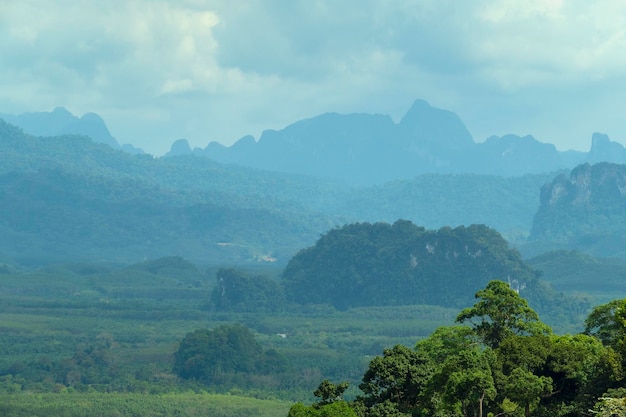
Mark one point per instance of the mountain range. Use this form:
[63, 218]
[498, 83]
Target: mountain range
[372, 149]
[360, 149]
[69, 196]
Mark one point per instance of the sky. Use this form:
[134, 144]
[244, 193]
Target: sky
[217, 70]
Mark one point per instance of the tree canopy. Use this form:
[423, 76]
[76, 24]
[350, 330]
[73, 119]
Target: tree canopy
[382, 264]
[503, 361]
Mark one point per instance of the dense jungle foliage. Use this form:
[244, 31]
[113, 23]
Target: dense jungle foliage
[501, 360]
[381, 264]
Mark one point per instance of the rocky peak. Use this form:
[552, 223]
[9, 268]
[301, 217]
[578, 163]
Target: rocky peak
[433, 128]
[179, 147]
[605, 150]
[602, 184]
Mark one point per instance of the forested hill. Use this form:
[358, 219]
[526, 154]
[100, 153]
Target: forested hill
[68, 197]
[585, 210]
[377, 264]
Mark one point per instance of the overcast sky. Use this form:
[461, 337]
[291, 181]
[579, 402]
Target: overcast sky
[206, 70]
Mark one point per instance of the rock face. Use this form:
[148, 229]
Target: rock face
[585, 210]
[61, 122]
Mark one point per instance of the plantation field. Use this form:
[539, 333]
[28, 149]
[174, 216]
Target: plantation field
[138, 405]
[70, 341]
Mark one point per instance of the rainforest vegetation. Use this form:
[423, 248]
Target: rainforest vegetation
[141, 286]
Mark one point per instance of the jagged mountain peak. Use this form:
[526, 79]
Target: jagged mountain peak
[434, 128]
[179, 147]
[604, 149]
[60, 121]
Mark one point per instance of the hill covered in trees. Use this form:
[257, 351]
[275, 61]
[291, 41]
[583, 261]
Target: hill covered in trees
[399, 264]
[68, 195]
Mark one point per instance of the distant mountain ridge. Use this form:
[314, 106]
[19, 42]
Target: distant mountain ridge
[371, 148]
[67, 196]
[359, 148]
[61, 122]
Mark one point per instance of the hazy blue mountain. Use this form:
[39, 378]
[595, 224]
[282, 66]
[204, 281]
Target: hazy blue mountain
[55, 216]
[359, 148]
[85, 190]
[507, 204]
[514, 155]
[179, 147]
[128, 148]
[66, 197]
[372, 149]
[605, 150]
[61, 122]
[585, 210]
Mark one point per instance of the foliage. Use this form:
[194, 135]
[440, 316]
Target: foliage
[506, 363]
[238, 291]
[206, 355]
[333, 409]
[607, 322]
[399, 376]
[366, 264]
[501, 313]
[329, 393]
[72, 404]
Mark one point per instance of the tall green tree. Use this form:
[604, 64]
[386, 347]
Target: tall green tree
[500, 313]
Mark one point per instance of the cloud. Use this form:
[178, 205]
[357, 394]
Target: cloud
[158, 70]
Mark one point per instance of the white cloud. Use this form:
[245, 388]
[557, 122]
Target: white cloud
[158, 70]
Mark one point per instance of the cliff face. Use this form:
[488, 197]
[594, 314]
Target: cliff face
[585, 210]
[595, 186]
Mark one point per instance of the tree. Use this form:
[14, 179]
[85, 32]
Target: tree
[329, 392]
[238, 291]
[334, 409]
[205, 354]
[500, 313]
[526, 389]
[607, 322]
[468, 381]
[399, 376]
[612, 404]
